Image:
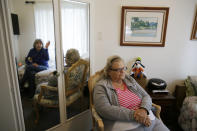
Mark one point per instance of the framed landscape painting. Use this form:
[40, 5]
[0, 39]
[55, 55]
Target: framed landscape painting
[143, 26]
[194, 29]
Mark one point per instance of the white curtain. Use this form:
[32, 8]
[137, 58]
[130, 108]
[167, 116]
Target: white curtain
[74, 27]
[44, 25]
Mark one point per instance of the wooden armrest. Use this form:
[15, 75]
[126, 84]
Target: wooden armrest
[43, 90]
[51, 88]
[41, 93]
[98, 120]
[158, 110]
[71, 91]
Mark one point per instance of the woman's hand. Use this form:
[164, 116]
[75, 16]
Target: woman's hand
[29, 59]
[47, 44]
[147, 121]
[35, 64]
[141, 116]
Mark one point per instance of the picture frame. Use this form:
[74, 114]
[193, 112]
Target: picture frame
[194, 28]
[143, 26]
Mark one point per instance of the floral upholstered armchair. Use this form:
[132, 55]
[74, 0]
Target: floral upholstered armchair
[188, 112]
[75, 79]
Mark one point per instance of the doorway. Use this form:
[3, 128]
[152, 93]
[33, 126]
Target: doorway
[37, 21]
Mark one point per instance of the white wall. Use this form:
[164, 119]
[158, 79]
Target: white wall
[172, 63]
[7, 117]
[24, 41]
[8, 120]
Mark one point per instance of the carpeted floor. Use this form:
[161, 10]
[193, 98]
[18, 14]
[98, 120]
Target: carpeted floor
[49, 117]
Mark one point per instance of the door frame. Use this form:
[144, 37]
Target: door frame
[10, 64]
[86, 115]
[12, 71]
[59, 59]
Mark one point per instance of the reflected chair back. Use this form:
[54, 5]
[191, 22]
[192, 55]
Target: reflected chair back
[75, 80]
[96, 119]
[92, 81]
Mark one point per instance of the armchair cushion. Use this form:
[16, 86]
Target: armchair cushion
[50, 97]
[44, 101]
[48, 92]
[75, 77]
[40, 77]
[70, 99]
[188, 117]
[43, 76]
[46, 95]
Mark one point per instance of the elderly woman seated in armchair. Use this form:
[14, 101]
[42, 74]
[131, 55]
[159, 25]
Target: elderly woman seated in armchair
[72, 56]
[36, 61]
[122, 103]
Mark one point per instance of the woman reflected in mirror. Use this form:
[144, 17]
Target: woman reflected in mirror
[36, 61]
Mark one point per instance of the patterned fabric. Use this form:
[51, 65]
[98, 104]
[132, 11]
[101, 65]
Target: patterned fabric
[191, 86]
[193, 80]
[46, 101]
[50, 96]
[188, 116]
[75, 77]
[70, 99]
[128, 99]
[49, 93]
[40, 77]
[43, 76]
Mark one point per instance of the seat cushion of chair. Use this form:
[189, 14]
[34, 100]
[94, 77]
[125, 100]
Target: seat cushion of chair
[42, 76]
[70, 99]
[44, 101]
[190, 106]
[188, 116]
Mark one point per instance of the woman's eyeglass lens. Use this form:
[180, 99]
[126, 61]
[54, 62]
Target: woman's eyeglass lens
[119, 69]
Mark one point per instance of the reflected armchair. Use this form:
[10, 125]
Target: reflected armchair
[75, 79]
[97, 120]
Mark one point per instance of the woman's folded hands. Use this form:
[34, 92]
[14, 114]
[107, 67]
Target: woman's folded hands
[141, 116]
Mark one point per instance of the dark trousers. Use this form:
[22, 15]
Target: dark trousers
[29, 76]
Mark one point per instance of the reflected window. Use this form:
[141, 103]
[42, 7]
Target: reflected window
[74, 26]
[44, 26]
[74, 17]
[75, 35]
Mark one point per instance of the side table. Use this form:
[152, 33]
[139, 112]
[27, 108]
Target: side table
[167, 103]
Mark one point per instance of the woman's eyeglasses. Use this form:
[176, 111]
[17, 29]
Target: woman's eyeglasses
[119, 69]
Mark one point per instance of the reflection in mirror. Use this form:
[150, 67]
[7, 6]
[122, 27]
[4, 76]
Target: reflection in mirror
[34, 50]
[75, 40]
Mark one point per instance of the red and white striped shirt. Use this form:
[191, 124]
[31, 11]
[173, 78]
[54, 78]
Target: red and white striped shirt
[127, 98]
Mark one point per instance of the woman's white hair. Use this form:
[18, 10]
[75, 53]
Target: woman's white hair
[72, 56]
[109, 63]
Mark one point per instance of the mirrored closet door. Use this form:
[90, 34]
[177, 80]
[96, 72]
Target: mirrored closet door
[35, 53]
[51, 50]
[75, 45]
